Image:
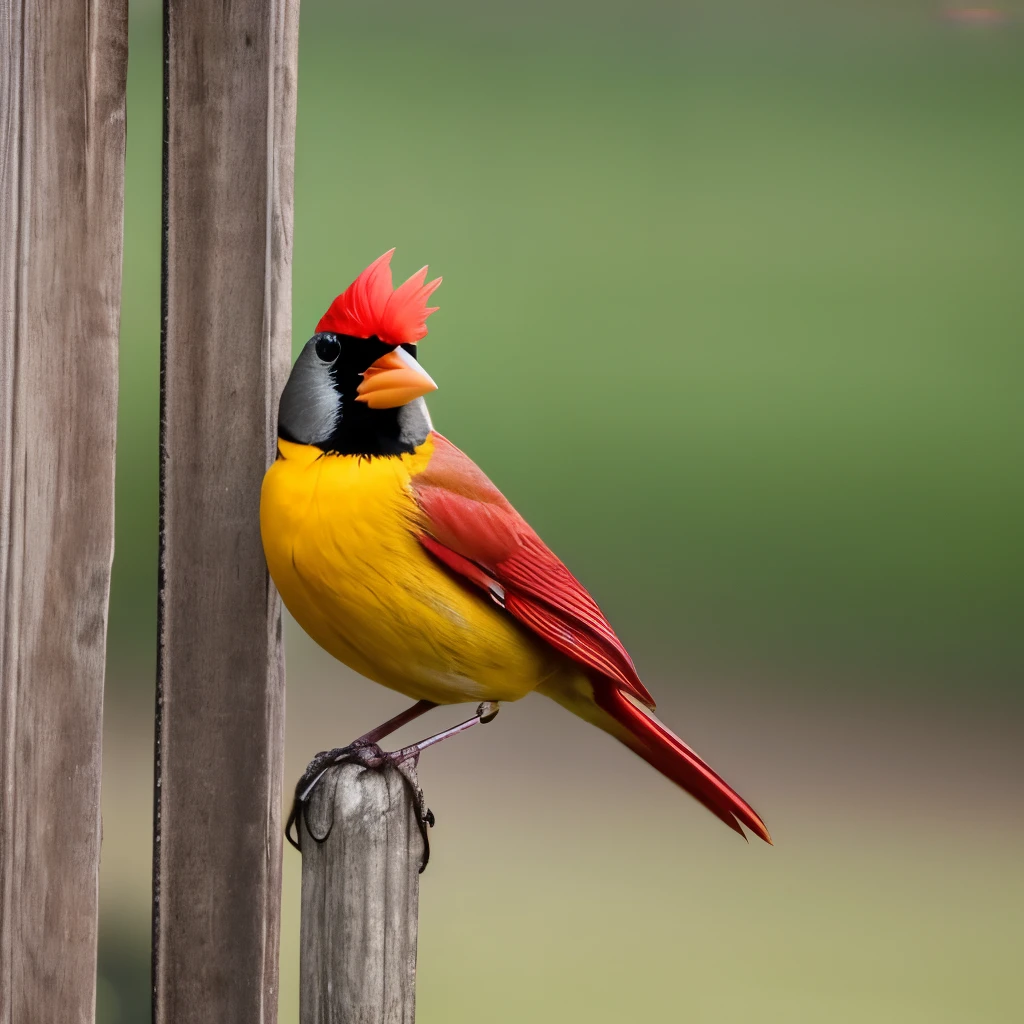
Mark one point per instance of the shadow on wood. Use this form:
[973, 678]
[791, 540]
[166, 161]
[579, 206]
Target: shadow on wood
[361, 854]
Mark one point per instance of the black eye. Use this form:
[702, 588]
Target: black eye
[327, 348]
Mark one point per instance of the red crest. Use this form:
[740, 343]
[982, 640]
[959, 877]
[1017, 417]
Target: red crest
[371, 307]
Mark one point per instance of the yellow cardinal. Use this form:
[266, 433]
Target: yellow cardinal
[396, 554]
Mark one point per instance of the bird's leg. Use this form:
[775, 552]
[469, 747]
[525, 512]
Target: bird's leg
[326, 758]
[485, 713]
[322, 761]
[421, 707]
[407, 759]
[365, 751]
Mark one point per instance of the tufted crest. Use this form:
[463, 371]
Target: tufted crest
[371, 307]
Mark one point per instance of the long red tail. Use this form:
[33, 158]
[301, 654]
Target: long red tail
[611, 710]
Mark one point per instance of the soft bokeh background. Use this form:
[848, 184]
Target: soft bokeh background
[733, 312]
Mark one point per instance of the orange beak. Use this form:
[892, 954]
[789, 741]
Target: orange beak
[395, 379]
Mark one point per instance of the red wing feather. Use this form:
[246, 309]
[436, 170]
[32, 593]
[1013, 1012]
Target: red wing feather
[663, 749]
[473, 529]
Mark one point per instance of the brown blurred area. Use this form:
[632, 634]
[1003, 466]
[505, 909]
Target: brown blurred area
[570, 881]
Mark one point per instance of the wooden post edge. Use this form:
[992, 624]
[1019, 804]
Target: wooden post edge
[362, 847]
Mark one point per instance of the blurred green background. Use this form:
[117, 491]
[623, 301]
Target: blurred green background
[732, 312]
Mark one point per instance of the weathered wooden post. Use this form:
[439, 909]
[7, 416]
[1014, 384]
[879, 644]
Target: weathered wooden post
[362, 849]
[62, 140]
[230, 78]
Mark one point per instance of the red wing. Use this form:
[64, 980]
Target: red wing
[474, 531]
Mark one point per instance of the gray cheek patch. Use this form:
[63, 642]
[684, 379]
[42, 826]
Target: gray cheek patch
[310, 406]
[414, 423]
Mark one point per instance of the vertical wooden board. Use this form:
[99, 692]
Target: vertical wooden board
[361, 854]
[62, 144]
[229, 142]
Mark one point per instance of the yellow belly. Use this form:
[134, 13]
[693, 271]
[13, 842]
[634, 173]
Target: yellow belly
[339, 534]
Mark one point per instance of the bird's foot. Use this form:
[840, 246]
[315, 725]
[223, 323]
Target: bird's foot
[367, 752]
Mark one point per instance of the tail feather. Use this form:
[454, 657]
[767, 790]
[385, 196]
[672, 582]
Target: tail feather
[610, 709]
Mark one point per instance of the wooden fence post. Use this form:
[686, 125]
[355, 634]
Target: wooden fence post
[361, 853]
[229, 91]
[62, 139]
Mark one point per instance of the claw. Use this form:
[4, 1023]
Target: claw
[488, 711]
[369, 755]
[366, 752]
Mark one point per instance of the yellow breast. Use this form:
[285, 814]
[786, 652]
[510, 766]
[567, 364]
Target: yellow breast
[339, 532]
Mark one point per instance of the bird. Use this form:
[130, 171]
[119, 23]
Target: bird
[395, 552]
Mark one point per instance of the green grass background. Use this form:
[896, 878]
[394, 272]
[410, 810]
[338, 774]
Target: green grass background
[732, 312]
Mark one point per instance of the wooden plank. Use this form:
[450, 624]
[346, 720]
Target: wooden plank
[62, 139]
[229, 142]
[361, 854]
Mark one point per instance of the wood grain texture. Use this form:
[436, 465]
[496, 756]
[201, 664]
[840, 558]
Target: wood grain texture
[62, 143]
[361, 854]
[229, 148]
